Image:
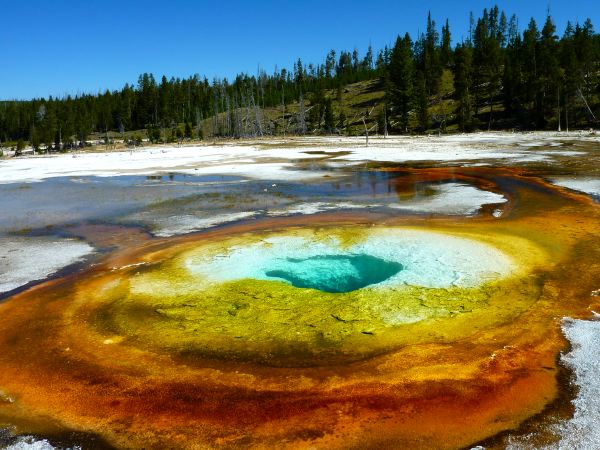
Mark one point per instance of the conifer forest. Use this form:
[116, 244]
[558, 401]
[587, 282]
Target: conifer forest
[502, 76]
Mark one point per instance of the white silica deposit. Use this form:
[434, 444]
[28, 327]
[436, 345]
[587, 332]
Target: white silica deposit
[26, 259]
[174, 225]
[279, 160]
[452, 199]
[242, 160]
[318, 207]
[586, 185]
[31, 443]
[582, 430]
[428, 259]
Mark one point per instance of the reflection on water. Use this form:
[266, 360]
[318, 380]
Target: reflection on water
[154, 200]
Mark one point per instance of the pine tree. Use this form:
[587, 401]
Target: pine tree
[446, 48]
[512, 76]
[530, 72]
[188, 130]
[431, 65]
[367, 62]
[342, 121]
[588, 54]
[549, 71]
[487, 60]
[463, 82]
[400, 80]
[571, 70]
[422, 102]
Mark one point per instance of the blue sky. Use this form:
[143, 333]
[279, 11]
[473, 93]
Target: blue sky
[72, 46]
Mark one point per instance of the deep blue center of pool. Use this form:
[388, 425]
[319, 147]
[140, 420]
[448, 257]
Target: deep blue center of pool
[335, 273]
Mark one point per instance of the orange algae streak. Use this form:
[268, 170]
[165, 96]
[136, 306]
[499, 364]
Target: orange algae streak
[69, 364]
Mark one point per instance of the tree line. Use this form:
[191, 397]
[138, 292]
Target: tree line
[496, 78]
[500, 77]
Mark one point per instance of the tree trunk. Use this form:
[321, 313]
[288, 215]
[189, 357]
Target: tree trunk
[491, 112]
[567, 114]
[558, 106]
[385, 131]
[586, 104]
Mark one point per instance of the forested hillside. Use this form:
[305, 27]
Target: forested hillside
[498, 78]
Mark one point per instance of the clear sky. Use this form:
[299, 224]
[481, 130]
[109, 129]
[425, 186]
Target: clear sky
[63, 47]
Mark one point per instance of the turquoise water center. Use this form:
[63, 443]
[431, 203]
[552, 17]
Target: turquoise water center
[335, 273]
[302, 297]
[349, 260]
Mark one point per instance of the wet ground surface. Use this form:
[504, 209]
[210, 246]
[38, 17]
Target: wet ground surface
[151, 218]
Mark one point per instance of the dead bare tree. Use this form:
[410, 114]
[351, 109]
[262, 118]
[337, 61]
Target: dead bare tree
[215, 121]
[199, 123]
[586, 104]
[250, 128]
[364, 118]
[283, 109]
[258, 130]
[385, 129]
[366, 131]
[228, 116]
[302, 116]
[558, 105]
[566, 113]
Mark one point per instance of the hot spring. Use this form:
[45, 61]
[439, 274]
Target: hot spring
[343, 330]
[335, 273]
[305, 297]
